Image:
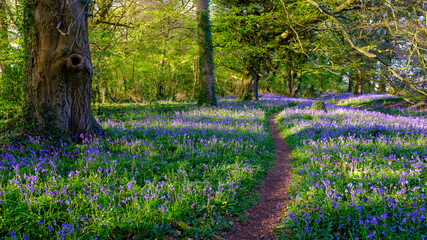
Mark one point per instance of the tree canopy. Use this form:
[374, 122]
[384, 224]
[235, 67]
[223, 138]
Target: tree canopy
[147, 50]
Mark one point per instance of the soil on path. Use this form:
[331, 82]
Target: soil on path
[268, 212]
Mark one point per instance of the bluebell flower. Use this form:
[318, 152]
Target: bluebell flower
[12, 234]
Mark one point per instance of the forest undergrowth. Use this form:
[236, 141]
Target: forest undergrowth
[358, 173]
[167, 170]
[174, 170]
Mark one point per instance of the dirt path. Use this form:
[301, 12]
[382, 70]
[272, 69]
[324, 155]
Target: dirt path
[267, 212]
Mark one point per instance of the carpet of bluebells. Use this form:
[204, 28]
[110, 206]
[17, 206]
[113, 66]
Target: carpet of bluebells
[357, 174]
[165, 170]
[170, 170]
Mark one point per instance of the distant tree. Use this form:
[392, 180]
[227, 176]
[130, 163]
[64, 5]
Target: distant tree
[267, 35]
[59, 69]
[206, 67]
[242, 32]
[143, 50]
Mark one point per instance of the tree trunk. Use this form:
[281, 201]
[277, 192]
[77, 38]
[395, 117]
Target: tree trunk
[350, 84]
[59, 67]
[256, 88]
[125, 85]
[172, 85]
[296, 84]
[4, 39]
[367, 87]
[382, 80]
[160, 90]
[358, 85]
[249, 87]
[102, 93]
[246, 87]
[196, 76]
[290, 83]
[206, 78]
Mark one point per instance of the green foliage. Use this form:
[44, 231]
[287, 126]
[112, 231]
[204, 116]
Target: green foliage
[12, 56]
[332, 101]
[368, 101]
[150, 57]
[318, 105]
[9, 111]
[12, 80]
[423, 174]
[89, 6]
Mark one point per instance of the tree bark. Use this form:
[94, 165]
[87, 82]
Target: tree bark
[59, 68]
[382, 81]
[358, 85]
[206, 68]
[196, 76]
[172, 85]
[296, 83]
[4, 39]
[250, 77]
[291, 80]
[350, 83]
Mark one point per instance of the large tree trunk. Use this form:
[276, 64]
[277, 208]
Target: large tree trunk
[206, 78]
[59, 68]
[250, 77]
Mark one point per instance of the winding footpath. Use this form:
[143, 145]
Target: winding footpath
[268, 211]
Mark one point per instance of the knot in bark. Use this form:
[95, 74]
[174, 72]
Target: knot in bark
[75, 62]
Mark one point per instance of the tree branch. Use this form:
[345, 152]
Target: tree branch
[362, 51]
[117, 24]
[287, 33]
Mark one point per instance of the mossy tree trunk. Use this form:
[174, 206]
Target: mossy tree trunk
[59, 67]
[4, 39]
[206, 81]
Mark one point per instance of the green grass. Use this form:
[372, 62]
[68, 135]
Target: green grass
[380, 105]
[369, 102]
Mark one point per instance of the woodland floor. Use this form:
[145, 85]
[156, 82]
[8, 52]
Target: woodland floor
[267, 212]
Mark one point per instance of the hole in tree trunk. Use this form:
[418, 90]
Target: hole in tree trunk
[74, 61]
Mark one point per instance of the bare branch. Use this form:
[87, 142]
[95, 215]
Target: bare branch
[60, 31]
[364, 52]
[127, 25]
